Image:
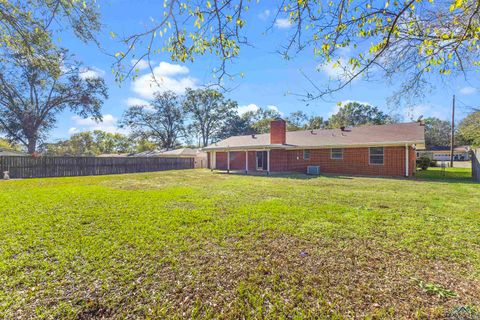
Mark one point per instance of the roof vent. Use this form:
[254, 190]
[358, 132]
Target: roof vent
[342, 128]
[253, 136]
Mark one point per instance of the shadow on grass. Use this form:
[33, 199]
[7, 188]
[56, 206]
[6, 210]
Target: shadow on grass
[462, 176]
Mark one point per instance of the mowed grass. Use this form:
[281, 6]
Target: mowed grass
[446, 174]
[192, 244]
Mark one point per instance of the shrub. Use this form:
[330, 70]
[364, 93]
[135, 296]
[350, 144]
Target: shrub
[423, 163]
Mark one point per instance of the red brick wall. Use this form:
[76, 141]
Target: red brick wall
[278, 132]
[237, 160]
[252, 160]
[355, 161]
[221, 160]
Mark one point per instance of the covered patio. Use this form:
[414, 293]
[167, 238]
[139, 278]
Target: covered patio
[255, 160]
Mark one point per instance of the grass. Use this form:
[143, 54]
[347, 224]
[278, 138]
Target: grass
[448, 174]
[192, 244]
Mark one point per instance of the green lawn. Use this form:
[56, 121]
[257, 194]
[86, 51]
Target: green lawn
[447, 174]
[192, 244]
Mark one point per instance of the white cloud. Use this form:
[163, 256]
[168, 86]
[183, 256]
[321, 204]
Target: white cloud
[166, 76]
[338, 69]
[264, 15]
[283, 23]
[244, 109]
[138, 102]
[72, 130]
[275, 108]
[468, 91]
[253, 107]
[425, 110]
[91, 73]
[108, 124]
[140, 64]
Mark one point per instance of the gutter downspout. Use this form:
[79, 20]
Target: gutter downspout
[406, 160]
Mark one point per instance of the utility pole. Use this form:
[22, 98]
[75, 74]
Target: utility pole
[452, 136]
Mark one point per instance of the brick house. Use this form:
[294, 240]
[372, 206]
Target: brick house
[379, 150]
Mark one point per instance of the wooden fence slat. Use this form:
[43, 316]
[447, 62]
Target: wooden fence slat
[476, 165]
[30, 167]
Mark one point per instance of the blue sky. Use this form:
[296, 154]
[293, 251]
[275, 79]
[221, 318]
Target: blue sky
[268, 77]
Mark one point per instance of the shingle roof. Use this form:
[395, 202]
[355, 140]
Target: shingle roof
[182, 152]
[388, 134]
[9, 152]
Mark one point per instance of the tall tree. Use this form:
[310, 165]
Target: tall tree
[209, 111]
[5, 144]
[437, 132]
[315, 122]
[356, 114]
[410, 41]
[162, 122]
[297, 121]
[31, 98]
[260, 119]
[469, 129]
[91, 143]
[27, 28]
[234, 125]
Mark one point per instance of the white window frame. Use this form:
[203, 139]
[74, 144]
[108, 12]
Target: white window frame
[370, 156]
[331, 154]
[309, 154]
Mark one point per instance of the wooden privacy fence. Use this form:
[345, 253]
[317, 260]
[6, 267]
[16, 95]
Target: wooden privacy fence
[476, 165]
[30, 167]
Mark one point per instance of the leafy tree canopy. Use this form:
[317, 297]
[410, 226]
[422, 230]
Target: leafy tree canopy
[357, 114]
[417, 39]
[5, 144]
[208, 110]
[260, 119]
[162, 121]
[469, 129]
[27, 28]
[437, 132]
[31, 98]
[91, 144]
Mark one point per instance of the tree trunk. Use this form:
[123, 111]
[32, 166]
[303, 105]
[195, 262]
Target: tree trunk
[32, 145]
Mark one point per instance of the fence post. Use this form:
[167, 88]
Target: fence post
[476, 165]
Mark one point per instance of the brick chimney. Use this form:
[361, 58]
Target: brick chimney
[278, 131]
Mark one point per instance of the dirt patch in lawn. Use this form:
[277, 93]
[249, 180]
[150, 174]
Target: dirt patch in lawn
[283, 276]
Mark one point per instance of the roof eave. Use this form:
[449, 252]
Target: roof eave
[289, 146]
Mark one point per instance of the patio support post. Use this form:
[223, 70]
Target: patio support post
[228, 161]
[214, 160]
[268, 161]
[246, 162]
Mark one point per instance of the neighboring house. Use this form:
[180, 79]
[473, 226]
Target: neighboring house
[10, 152]
[149, 153]
[113, 155]
[442, 153]
[199, 156]
[381, 150]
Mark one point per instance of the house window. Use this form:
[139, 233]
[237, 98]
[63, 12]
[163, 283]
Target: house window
[336, 153]
[306, 154]
[376, 155]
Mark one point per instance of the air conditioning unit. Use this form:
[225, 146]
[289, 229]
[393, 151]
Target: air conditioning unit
[314, 170]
